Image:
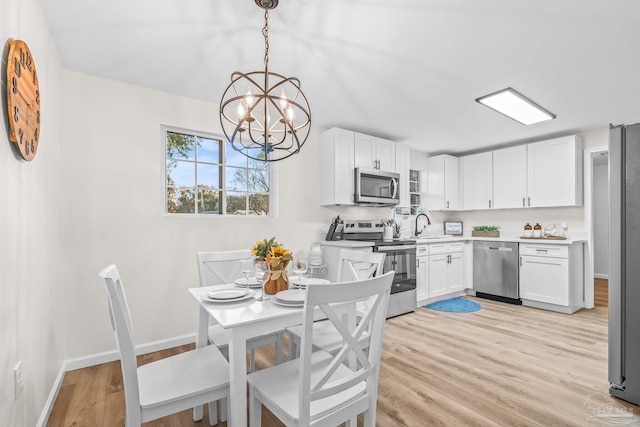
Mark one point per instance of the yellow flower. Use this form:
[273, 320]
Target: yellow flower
[270, 250]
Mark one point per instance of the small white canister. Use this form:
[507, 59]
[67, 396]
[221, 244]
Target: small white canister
[315, 254]
[387, 236]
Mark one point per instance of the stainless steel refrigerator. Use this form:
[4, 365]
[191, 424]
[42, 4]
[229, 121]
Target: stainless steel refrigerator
[624, 262]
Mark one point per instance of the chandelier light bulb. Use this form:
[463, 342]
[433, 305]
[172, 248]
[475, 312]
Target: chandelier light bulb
[284, 102]
[241, 111]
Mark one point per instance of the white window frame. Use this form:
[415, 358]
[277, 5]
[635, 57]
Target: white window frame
[271, 170]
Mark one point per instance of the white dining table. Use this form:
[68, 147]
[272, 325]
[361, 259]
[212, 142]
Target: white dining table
[244, 319]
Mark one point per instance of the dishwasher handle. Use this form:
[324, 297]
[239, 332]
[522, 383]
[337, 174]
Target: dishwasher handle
[500, 248]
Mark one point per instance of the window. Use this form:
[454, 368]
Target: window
[206, 176]
[414, 188]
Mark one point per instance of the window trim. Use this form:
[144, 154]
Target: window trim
[271, 169]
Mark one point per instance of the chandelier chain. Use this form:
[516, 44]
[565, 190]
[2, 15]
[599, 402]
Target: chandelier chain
[265, 33]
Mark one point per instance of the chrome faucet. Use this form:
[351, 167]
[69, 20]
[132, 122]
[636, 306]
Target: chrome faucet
[418, 216]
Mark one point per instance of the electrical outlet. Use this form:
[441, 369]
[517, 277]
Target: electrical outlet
[18, 380]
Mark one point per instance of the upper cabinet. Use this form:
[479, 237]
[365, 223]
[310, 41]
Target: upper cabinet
[336, 167]
[341, 151]
[510, 177]
[540, 174]
[371, 152]
[477, 179]
[554, 172]
[442, 183]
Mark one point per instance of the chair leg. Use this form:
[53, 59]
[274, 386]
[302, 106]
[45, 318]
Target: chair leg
[293, 347]
[255, 409]
[252, 360]
[213, 413]
[279, 348]
[224, 409]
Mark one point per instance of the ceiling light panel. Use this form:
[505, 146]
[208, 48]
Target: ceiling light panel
[516, 106]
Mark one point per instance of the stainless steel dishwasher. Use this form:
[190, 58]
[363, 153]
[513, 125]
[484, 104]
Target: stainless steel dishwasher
[495, 271]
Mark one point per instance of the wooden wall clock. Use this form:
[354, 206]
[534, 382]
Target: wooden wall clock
[23, 99]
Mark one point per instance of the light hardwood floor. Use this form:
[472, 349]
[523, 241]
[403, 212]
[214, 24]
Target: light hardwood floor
[504, 365]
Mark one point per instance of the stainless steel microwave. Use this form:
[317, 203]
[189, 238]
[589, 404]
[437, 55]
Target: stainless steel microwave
[376, 188]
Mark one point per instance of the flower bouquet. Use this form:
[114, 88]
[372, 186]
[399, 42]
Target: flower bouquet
[278, 257]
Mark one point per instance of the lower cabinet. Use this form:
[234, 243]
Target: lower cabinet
[446, 268]
[551, 276]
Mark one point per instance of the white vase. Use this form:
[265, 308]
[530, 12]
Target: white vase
[388, 234]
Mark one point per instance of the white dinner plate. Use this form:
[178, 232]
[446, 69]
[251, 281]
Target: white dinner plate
[295, 281]
[228, 295]
[253, 282]
[291, 296]
[276, 301]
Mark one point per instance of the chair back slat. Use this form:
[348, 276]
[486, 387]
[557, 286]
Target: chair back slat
[123, 330]
[217, 268]
[359, 265]
[338, 301]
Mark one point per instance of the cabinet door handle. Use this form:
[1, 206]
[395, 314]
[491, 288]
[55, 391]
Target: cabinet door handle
[529, 201]
[447, 204]
[520, 260]
[489, 203]
[523, 204]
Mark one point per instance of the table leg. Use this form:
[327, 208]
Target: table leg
[238, 378]
[202, 338]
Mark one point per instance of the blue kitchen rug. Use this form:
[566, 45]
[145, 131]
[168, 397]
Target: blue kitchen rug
[455, 305]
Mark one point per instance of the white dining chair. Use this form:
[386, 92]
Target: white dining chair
[169, 385]
[217, 268]
[352, 265]
[320, 388]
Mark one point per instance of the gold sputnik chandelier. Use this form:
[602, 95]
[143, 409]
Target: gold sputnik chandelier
[263, 114]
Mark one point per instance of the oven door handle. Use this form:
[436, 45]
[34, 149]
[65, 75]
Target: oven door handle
[387, 248]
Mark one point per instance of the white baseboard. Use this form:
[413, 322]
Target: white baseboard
[100, 358]
[53, 394]
[601, 276]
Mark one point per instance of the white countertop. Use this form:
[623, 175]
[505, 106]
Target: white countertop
[348, 243]
[572, 238]
[569, 241]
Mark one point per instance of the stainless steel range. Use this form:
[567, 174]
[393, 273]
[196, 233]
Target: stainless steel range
[400, 257]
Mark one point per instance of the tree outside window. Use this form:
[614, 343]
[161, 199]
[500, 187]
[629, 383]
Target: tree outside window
[206, 176]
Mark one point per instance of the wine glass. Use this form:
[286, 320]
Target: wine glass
[299, 267]
[263, 270]
[246, 266]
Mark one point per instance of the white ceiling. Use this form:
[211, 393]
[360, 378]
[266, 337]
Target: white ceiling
[407, 70]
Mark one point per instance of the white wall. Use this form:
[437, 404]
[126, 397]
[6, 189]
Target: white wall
[601, 220]
[31, 237]
[114, 192]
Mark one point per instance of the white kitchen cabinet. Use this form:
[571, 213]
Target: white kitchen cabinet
[371, 152]
[551, 276]
[402, 168]
[510, 177]
[422, 274]
[477, 181]
[337, 167]
[554, 172]
[446, 268]
[442, 183]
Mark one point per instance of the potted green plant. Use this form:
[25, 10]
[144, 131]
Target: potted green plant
[485, 231]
